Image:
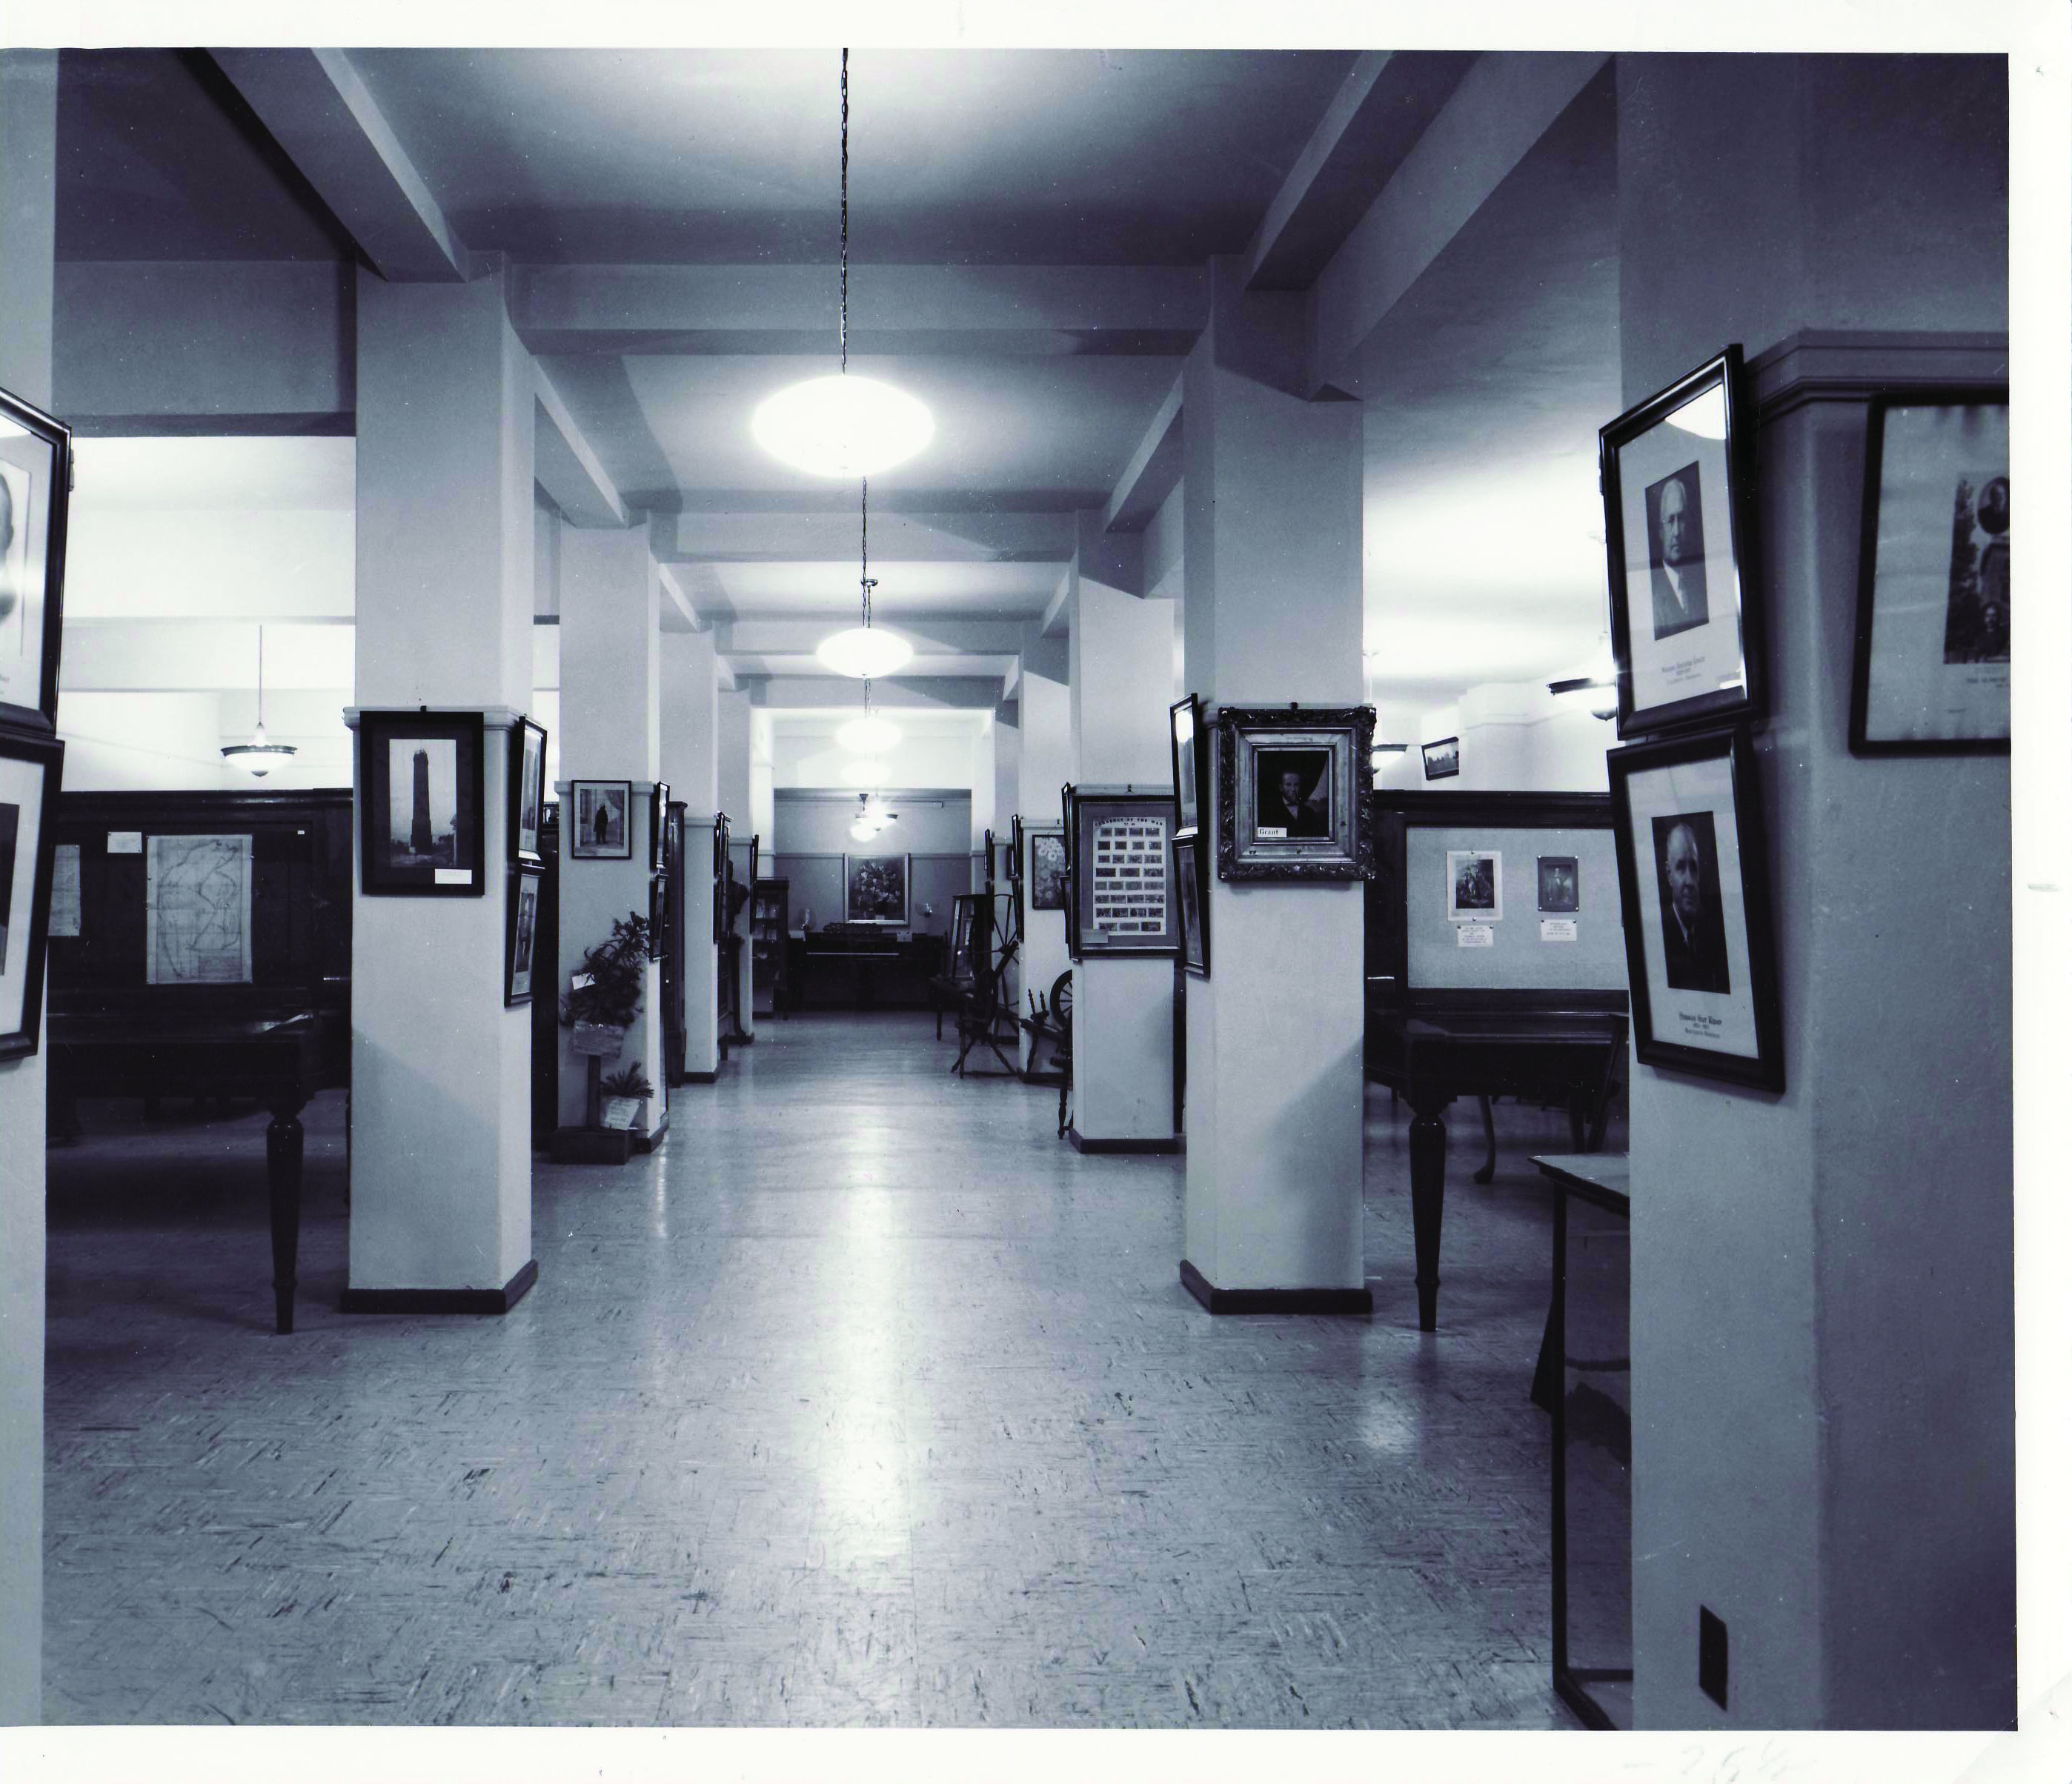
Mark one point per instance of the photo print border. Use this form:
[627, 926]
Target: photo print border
[377, 731]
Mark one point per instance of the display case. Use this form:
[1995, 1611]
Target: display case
[770, 923]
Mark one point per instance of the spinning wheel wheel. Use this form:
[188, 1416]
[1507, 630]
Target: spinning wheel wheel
[1061, 1014]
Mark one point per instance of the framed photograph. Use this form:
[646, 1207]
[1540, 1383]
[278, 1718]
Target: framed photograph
[1014, 852]
[658, 824]
[722, 876]
[1474, 886]
[755, 859]
[963, 924]
[35, 494]
[1123, 896]
[1678, 531]
[602, 828]
[1046, 866]
[421, 805]
[1561, 883]
[875, 889]
[658, 911]
[1694, 887]
[1932, 656]
[32, 766]
[521, 922]
[1190, 763]
[1289, 788]
[1442, 759]
[528, 791]
[1193, 904]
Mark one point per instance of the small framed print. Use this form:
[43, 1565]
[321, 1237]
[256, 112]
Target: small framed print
[1046, 872]
[658, 823]
[658, 910]
[602, 828]
[1474, 886]
[1694, 891]
[421, 805]
[1561, 883]
[875, 887]
[1442, 760]
[521, 920]
[1123, 895]
[1014, 851]
[1677, 531]
[1190, 763]
[31, 765]
[35, 496]
[1289, 786]
[722, 876]
[1932, 654]
[528, 791]
[1193, 904]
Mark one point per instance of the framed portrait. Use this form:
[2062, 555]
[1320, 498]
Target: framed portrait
[1932, 656]
[601, 828]
[1474, 885]
[1014, 851]
[528, 791]
[521, 924]
[658, 824]
[1678, 530]
[1561, 883]
[1190, 763]
[1123, 895]
[722, 876]
[1694, 889]
[875, 889]
[658, 914]
[35, 495]
[421, 805]
[1046, 866]
[1288, 787]
[1193, 904]
[32, 766]
[1442, 759]
[755, 859]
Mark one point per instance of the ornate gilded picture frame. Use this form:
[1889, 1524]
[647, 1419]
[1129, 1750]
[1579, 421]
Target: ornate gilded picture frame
[1289, 783]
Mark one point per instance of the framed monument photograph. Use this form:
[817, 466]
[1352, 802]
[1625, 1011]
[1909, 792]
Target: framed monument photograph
[1932, 649]
[1288, 783]
[1474, 886]
[1124, 897]
[521, 922]
[1190, 763]
[1694, 891]
[1046, 866]
[1193, 903]
[35, 486]
[600, 826]
[31, 765]
[1442, 760]
[528, 791]
[875, 887]
[1677, 530]
[658, 824]
[421, 804]
[1561, 883]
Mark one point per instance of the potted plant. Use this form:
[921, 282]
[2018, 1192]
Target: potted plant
[626, 1093]
[598, 1007]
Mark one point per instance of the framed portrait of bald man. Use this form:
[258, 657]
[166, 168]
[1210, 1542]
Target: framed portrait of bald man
[35, 489]
[1694, 891]
[1683, 614]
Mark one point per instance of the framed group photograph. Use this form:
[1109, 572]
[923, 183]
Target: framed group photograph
[528, 791]
[1289, 786]
[1694, 888]
[658, 824]
[877, 888]
[600, 820]
[1677, 534]
[1442, 759]
[1190, 763]
[1932, 650]
[31, 767]
[1122, 893]
[421, 804]
[521, 922]
[1193, 903]
[35, 486]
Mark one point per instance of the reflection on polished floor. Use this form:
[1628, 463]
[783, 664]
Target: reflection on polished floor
[865, 1400]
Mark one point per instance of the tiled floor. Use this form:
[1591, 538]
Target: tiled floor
[865, 1400]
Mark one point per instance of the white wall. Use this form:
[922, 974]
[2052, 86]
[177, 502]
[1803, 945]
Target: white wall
[1515, 737]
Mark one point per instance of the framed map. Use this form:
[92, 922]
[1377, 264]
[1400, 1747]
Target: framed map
[198, 910]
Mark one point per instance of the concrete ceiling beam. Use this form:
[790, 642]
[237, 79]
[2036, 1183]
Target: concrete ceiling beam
[1152, 472]
[902, 693]
[566, 464]
[930, 638]
[1057, 620]
[752, 537]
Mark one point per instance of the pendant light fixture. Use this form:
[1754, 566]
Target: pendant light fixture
[1593, 684]
[862, 651]
[258, 758]
[871, 735]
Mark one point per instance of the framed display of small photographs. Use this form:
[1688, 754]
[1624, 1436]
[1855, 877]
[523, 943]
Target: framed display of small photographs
[528, 791]
[1190, 763]
[658, 823]
[521, 922]
[421, 805]
[32, 766]
[875, 889]
[1442, 760]
[1677, 543]
[35, 496]
[600, 827]
[1932, 651]
[1193, 904]
[1694, 890]
[1122, 891]
[1289, 785]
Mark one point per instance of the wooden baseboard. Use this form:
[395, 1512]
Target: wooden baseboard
[697, 1077]
[651, 1137]
[1358, 1302]
[1166, 1143]
[476, 1300]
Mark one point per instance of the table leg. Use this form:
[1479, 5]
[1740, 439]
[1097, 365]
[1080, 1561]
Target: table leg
[284, 1183]
[1487, 1171]
[1427, 1203]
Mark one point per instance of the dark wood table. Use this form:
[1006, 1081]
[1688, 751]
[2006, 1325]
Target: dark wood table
[282, 1059]
[1430, 1056]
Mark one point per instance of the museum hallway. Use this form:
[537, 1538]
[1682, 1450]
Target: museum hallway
[865, 1401]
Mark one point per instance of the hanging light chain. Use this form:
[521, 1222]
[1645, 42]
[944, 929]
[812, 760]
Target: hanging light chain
[868, 584]
[844, 211]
